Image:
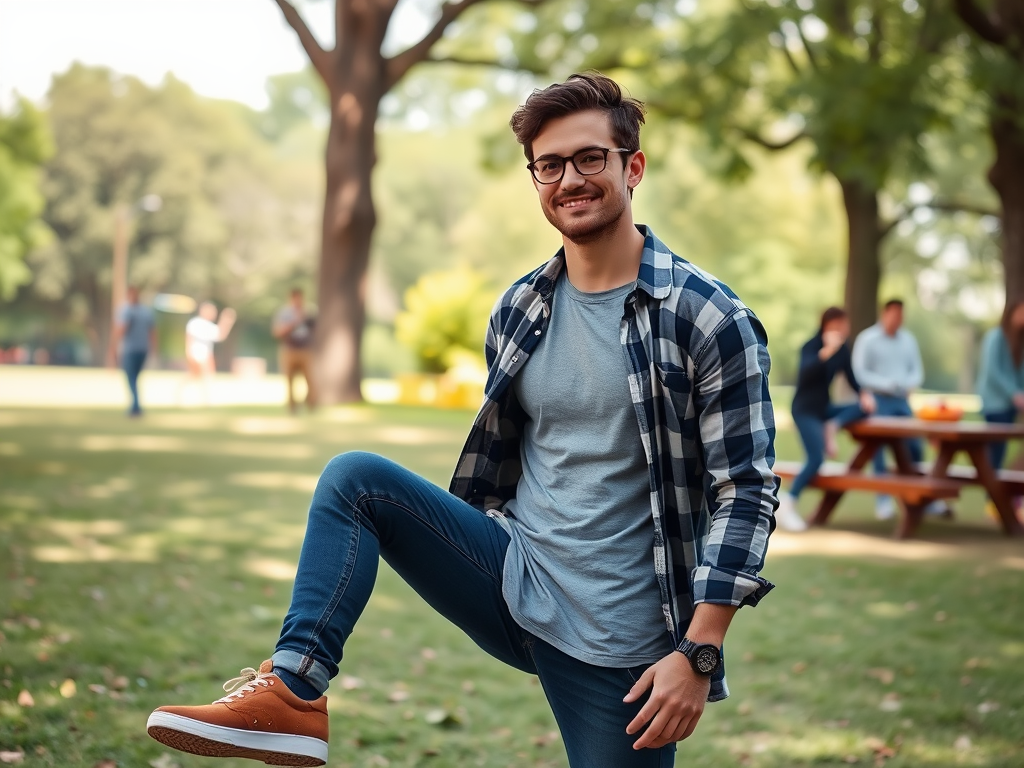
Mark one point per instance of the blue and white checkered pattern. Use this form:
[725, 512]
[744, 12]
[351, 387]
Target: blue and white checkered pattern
[699, 384]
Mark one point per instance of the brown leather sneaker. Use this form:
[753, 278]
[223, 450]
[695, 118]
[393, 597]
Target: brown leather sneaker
[260, 719]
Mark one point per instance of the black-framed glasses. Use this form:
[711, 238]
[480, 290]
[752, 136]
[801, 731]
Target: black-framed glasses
[588, 161]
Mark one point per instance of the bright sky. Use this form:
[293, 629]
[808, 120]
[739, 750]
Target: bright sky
[222, 48]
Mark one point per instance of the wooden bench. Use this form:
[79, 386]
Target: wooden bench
[1013, 479]
[913, 491]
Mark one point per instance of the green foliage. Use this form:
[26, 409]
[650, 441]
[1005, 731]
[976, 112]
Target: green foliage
[25, 145]
[445, 318]
[234, 225]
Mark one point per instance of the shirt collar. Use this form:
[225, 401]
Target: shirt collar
[654, 277]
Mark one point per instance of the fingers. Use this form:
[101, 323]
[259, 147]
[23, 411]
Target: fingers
[640, 686]
[660, 732]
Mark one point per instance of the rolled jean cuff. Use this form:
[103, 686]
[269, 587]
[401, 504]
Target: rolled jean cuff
[306, 667]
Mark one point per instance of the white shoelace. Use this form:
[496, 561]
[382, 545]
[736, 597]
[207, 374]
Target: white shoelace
[237, 687]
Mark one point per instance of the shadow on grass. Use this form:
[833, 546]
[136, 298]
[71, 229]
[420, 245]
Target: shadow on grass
[148, 561]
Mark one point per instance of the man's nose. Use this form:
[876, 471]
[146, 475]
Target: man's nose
[572, 179]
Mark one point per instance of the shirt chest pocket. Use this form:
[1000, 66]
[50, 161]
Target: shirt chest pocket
[674, 383]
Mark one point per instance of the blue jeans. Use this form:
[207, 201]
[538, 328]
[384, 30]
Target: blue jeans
[812, 434]
[366, 506]
[887, 405]
[133, 362]
[997, 451]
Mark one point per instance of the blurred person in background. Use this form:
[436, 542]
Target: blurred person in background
[201, 333]
[1001, 374]
[817, 419]
[293, 329]
[134, 337]
[887, 363]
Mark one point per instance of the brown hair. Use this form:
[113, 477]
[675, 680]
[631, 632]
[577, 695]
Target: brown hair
[1014, 336]
[581, 92]
[893, 303]
[830, 314]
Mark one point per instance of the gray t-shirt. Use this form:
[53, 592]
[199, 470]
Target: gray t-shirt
[138, 321]
[579, 572]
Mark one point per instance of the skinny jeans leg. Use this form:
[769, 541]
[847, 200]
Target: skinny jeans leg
[450, 553]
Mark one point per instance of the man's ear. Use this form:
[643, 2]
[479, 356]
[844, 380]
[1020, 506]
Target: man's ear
[635, 169]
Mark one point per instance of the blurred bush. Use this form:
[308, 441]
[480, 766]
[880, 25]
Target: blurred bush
[445, 319]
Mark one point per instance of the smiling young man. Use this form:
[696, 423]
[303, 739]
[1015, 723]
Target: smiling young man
[611, 508]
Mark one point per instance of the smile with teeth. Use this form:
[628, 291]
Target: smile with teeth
[575, 203]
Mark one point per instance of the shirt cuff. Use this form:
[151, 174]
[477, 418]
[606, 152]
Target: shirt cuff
[727, 587]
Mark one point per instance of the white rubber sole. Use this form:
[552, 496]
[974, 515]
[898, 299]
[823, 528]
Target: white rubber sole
[199, 738]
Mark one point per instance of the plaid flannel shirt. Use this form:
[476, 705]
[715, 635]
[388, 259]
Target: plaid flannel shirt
[698, 363]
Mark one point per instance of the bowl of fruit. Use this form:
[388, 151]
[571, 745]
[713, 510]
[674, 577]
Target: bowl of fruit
[939, 410]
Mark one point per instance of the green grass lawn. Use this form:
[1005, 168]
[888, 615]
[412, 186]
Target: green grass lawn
[144, 563]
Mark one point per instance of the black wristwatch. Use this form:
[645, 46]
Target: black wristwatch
[703, 657]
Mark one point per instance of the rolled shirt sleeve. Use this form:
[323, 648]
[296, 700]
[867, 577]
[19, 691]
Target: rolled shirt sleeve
[737, 429]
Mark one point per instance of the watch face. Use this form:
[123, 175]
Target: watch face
[706, 660]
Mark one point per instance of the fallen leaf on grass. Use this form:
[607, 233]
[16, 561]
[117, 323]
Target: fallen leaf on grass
[988, 706]
[468, 686]
[349, 683]
[428, 653]
[442, 718]
[397, 696]
[962, 743]
[890, 702]
[548, 738]
[164, 761]
[12, 757]
[25, 699]
[799, 667]
[883, 675]
[941, 616]
[97, 688]
[68, 688]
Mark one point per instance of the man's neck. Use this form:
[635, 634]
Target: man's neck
[606, 263]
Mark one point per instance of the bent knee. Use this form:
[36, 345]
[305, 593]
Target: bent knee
[357, 464]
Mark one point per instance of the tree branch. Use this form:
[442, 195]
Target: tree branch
[473, 62]
[946, 206]
[399, 64]
[983, 25]
[807, 47]
[318, 57]
[775, 146]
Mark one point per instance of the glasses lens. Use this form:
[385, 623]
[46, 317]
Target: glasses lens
[548, 169]
[589, 161]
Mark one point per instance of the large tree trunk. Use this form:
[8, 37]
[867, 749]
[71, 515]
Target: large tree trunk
[349, 219]
[1007, 176]
[863, 270]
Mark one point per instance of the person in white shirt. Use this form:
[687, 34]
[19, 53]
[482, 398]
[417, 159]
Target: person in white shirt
[201, 333]
[887, 363]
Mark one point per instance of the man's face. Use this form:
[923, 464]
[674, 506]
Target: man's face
[297, 300]
[892, 319]
[585, 208]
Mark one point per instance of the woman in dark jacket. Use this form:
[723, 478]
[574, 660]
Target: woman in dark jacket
[817, 419]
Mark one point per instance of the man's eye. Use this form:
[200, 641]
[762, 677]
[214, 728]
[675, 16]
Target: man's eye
[589, 158]
[545, 166]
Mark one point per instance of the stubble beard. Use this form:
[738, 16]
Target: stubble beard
[591, 228]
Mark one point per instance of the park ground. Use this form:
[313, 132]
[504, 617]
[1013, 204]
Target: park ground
[145, 562]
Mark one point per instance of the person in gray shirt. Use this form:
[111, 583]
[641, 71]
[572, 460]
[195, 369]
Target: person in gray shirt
[135, 334]
[610, 510]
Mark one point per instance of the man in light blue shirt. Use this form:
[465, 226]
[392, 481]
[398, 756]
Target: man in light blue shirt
[887, 363]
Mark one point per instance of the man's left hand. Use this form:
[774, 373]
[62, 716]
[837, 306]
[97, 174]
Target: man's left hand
[678, 695]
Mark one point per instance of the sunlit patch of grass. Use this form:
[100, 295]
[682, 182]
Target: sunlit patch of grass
[174, 568]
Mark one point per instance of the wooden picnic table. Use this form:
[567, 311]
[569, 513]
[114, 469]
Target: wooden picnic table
[950, 438]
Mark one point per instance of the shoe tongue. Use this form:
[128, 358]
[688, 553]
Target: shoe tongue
[266, 667]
